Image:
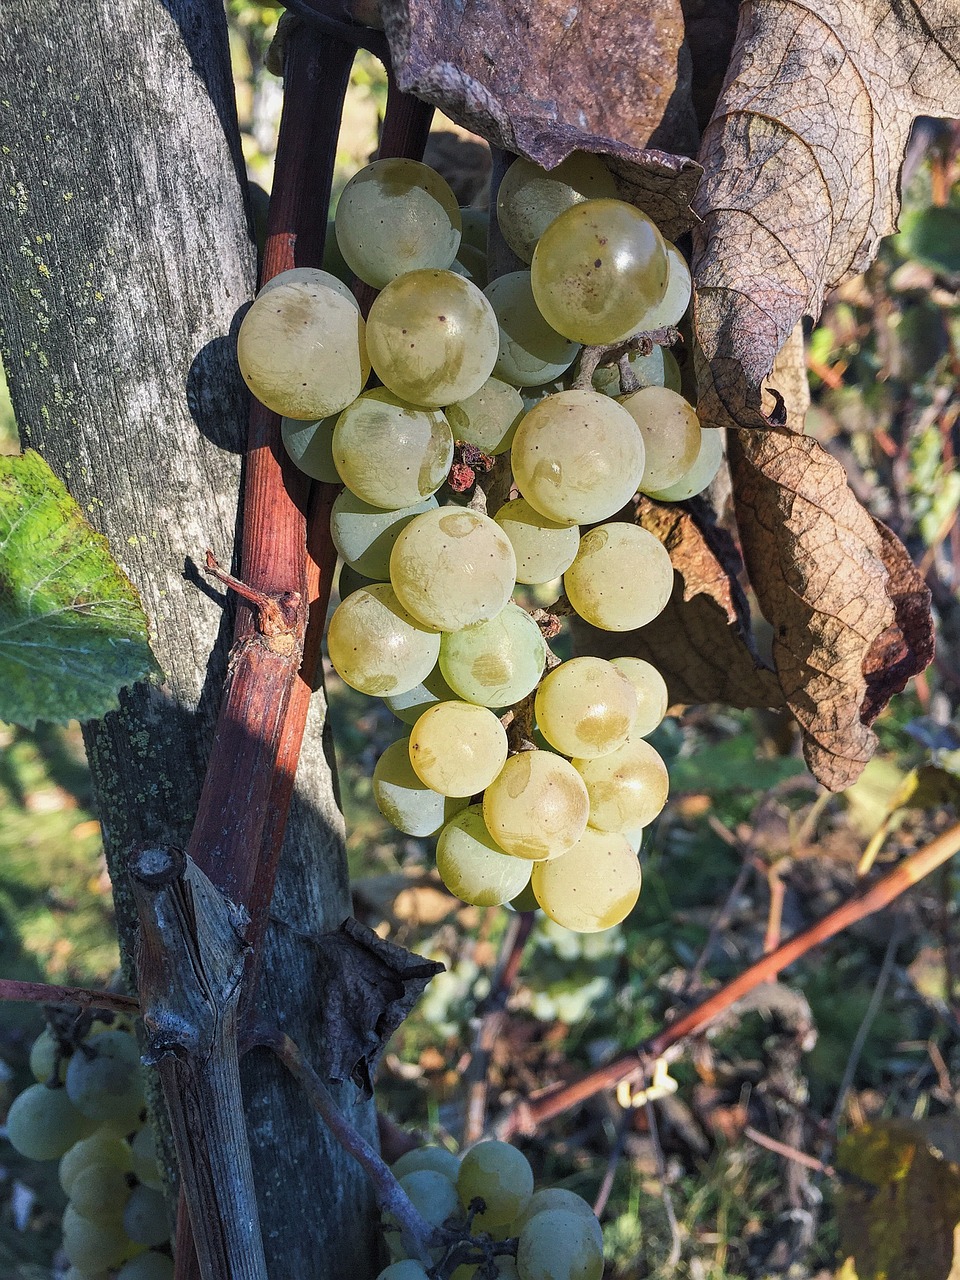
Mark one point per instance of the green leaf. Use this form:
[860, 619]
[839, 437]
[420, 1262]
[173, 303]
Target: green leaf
[932, 236]
[72, 629]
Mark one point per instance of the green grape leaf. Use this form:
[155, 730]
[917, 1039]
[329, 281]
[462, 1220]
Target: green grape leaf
[72, 629]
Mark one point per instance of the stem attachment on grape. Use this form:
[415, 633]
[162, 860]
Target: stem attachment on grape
[592, 357]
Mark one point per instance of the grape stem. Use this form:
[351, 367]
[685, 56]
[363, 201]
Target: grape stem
[592, 357]
[46, 993]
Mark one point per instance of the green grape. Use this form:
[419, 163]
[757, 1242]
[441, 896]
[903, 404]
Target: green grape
[333, 259]
[349, 581]
[545, 548]
[525, 900]
[472, 265]
[302, 351]
[598, 268]
[405, 1269]
[672, 307]
[145, 1217]
[402, 798]
[559, 1245]
[476, 228]
[74, 1273]
[457, 748]
[671, 434]
[578, 456]
[531, 352]
[432, 338]
[708, 462]
[310, 445]
[100, 1148]
[453, 567]
[430, 1157]
[494, 663]
[672, 376]
[145, 1163]
[433, 1194]
[560, 1198]
[530, 198]
[651, 690]
[410, 706]
[628, 788]
[105, 1081]
[621, 578]
[390, 453]
[43, 1124]
[147, 1266]
[376, 646]
[310, 275]
[586, 707]
[396, 216]
[489, 418]
[474, 867]
[47, 1058]
[93, 1246]
[593, 886]
[537, 807]
[99, 1192]
[364, 535]
[648, 371]
[501, 1177]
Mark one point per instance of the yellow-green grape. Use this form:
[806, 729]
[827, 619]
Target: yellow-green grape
[598, 268]
[651, 690]
[145, 1218]
[578, 457]
[537, 807]
[348, 581]
[531, 352]
[405, 1269]
[628, 788]
[433, 1194]
[105, 1081]
[586, 707]
[396, 216]
[529, 198]
[471, 263]
[333, 260]
[302, 351]
[432, 338]
[377, 646]
[403, 799]
[558, 1245]
[391, 453]
[648, 371]
[501, 1177]
[708, 462]
[476, 228]
[364, 535]
[93, 1246]
[147, 1266]
[671, 434]
[47, 1058]
[310, 275]
[457, 748]
[525, 900]
[145, 1163]
[594, 885]
[430, 1157]
[672, 307]
[310, 445]
[495, 663]
[100, 1148]
[410, 706]
[43, 1124]
[489, 418]
[560, 1198]
[474, 867]
[621, 578]
[672, 376]
[533, 395]
[99, 1192]
[74, 1273]
[453, 567]
[544, 548]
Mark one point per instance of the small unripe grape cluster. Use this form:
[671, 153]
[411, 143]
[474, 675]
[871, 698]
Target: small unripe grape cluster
[87, 1111]
[490, 1221]
[426, 619]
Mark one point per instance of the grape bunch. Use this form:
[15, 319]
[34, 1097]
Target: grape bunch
[477, 377]
[489, 1221]
[86, 1110]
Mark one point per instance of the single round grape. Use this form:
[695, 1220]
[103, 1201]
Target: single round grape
[525, 900]
[390, 453]
[145, 1218]
[545, 548]
[621, 578]
[529, 197]
[671, 434]
[405, 1269]
[145, 1163]
[586, 707]
[597, 269]
[410, 706]
[648, 371]
[474, 867]
[489, 418]
[672, 307]
[472, 265]
[476, 227]
[628, 788]
[43, 1124]
[105, 1081]
[333, 260]
[93, 1246]
[453, 567]
[432, 1193]
[377, 646]
[707, 463]
[501, 1177]
[560, 1198]
[99, 1192]
[432, 338]
[147, 1266]
[310, 445]
[530, 352]
[558, 1245]
[349, 581]
[429, 1157]
[364, 535]
[395, 216]
[537, 807]
[302, 350]
[100, 1148]
[310, 275]
[651, 690]
[403, 799]
[594, 885]
[497, 662]
[457, 748]
[578, 457]
[47, 1058]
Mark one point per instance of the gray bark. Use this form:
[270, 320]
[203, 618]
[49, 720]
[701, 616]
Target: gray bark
[124, 258]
